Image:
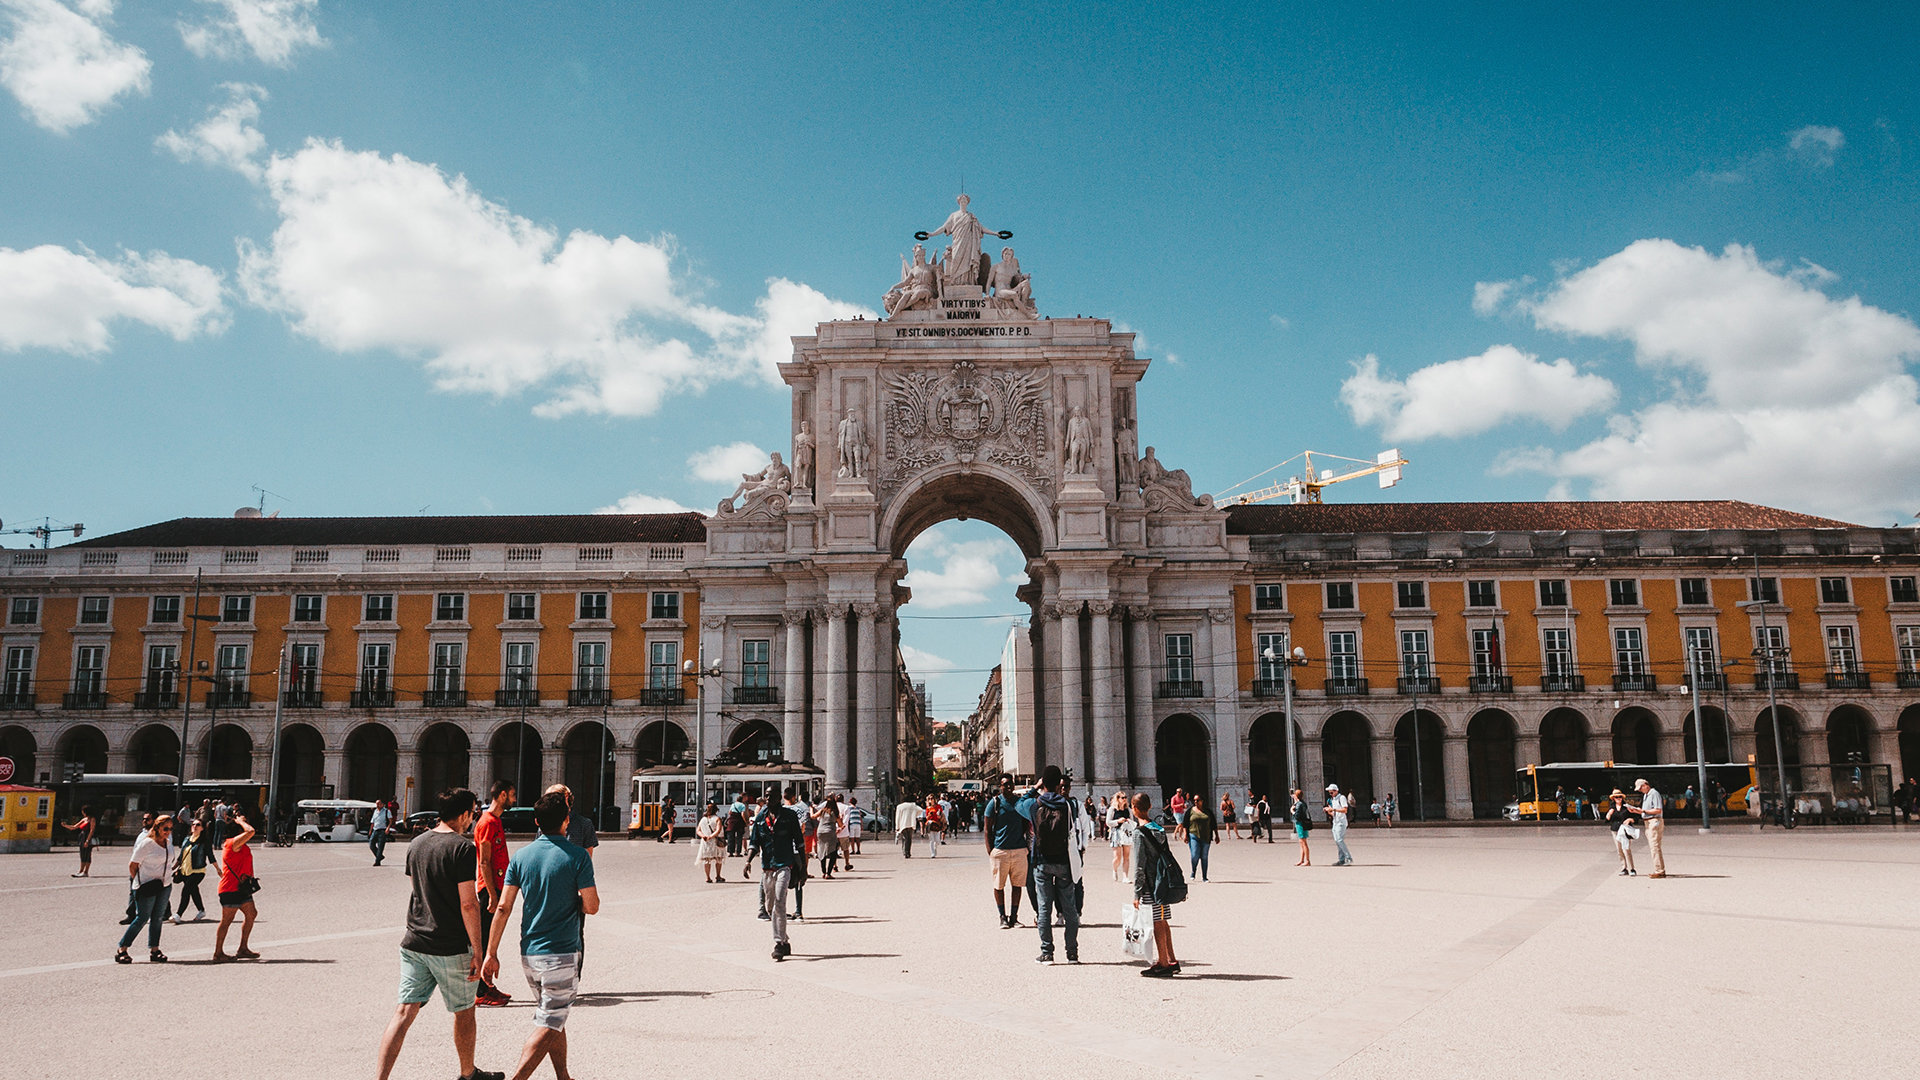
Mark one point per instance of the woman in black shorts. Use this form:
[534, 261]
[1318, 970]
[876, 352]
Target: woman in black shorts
[85, 827]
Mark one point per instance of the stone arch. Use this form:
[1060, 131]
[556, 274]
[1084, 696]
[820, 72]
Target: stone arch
[663, 742]
[446, 761]
[514, 750]
[18, 745]
[1492, 737]
[1419, 747]
[85, 744]
[1849, 735]
[1719, 744]
[1910, 741]
[1183, 749]
[980, 490]
[229, 750]
[1346, 754]
[1636, 736]
[1563, 736]
[1267, 772]
[373, 759]
[1789, 738]
[303, 765]
[155, 748]
[754, 741]
[586, 745]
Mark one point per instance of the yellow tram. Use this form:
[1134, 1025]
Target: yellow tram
[676, 782]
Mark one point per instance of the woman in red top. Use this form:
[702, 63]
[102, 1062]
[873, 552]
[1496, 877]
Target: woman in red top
[236, 893]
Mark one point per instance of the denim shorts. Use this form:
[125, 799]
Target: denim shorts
[421, 972]
[554, 977]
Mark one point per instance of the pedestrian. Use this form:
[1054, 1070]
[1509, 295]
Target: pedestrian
[776, 836]
[1620, 818]
[809, 812]
[1120, 835]
[935, 823]
[1339, 807]
[1266, 817]
[1156, 882]
[1177, 806]
[1229, 815]
[1559, 803]
[797, 881]
[1006, 824]
[581, 834]
[1077, 851]
[237, 886]
[906, 818]
[666, 821]
[1653, 810]
[827, 835]
[735, 825]
[148, 874]
[1387, 810]
[442, 946]
[491, 859]
[856, 820]
[146, 827]
[377, 841]
[708, 851]
[1197, 824]
[86, 827]
[1052, 815]
[190, 870]
[557, 880]
[1302, 824]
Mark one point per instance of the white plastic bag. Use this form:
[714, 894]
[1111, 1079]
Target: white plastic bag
[1136, 923]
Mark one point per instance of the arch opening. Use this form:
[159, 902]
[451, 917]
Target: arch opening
[753, 742]
[446, 761]
[1419, 740]
[229, 753]
[1267, 772]
[1346, 757]
[1849, 735]
[514, 751]
[980, 492]
[373, 758]
[1182, 750]
[155, 748]
[84, 744]
[303, 766]
[1910, 742]
[662, 742]
[1719, 744]
[18, 745]
[1491, 739]
[589, 772]
[1563, 737]
[1636, 737]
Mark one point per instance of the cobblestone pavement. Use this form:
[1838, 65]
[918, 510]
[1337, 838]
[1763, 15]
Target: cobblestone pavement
[1471, 952]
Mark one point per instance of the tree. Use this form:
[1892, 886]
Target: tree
[945, 733]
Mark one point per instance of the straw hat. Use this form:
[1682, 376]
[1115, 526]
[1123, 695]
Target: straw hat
[1617, 794]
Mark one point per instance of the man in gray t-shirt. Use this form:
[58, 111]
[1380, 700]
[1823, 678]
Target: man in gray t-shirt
[1653, 808]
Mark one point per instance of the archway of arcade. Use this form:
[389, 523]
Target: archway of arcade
[595, 789]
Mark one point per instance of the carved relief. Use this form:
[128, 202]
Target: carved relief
[766, 492]
[965, 415]
[714, 622]
[1169, 490]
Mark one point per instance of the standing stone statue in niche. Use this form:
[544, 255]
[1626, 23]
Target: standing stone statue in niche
[1012, 290]
[766, 491]
[803, 458]
[961, 264]
[1126, 452]
[853, 446]
[1079, 442]
[1168, 489]
[919, 286]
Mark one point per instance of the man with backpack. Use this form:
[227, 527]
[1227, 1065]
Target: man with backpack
[1008, 832]
[1051, 856]
[1157, 882]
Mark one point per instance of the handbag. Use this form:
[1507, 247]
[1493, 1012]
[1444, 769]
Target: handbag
[1136, 928]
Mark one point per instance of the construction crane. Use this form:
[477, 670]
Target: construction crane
[44, 531]
[1306, 487]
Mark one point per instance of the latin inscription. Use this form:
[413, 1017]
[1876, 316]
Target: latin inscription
[962, 331]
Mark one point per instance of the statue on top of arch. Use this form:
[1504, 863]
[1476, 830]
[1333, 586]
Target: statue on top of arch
[962, 265]
[767, 492]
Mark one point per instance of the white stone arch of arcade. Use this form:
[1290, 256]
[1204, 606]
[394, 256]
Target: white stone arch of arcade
[993, 494]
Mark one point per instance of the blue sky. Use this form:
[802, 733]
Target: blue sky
[486, 258]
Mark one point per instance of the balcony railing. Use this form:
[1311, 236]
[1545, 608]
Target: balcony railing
[663, 695]
[84, 699]
[756, 695]
[301, 699]
[1563, 684]
[1345, 687]
[229, 698]
[156, 699]
[22, 699]
[1707, 682]
[1425, 684]
[444, 699]
[1269, 688]
[1905, 680]
[516, 698]
[1489, 684]
[1179, 688]
[1642, 683]
[372, 699]
[1776, 680]
[601, 696]
[1848, 680]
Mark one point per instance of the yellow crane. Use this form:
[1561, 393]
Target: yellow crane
[1306, 487]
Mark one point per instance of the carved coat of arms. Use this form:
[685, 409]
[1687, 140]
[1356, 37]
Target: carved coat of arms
[963, 414]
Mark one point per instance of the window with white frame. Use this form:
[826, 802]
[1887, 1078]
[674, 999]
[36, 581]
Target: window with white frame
[1416, 660]
[520, 607]
[376, 668]
[1771, 643]
[1835, 590]
[1556, 652]
[94, 609]
[1483, 594]
[163, 668]
[1269, 597]
[1843, 655]
[519, 665]
[1486, 651]
[378, 608]
[664, 605]
[1694, 592]
[1179, 658]
[446, 666]
[164, 609]
[1343, 655]
[1908, 638]
[756, 662]
[593, 605]
[236, 609]
[1623, 592]
[1701, 650]
[1903, 590]
[663, 665]
[1553, 592]
[90, 669]
[1410, 594]
[231, 673]
[450, 607]
[1339, 595]
[1271, 670]
[19, 674]
[24, 611]
[1629, 651]
[307, 607]
[306, 668]
[1764, 589]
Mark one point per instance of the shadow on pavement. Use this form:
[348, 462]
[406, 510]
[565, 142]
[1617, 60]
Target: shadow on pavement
[844, 956]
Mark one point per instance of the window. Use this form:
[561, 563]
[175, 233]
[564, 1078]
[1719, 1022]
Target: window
[1903, 590]
[306, 669]
[1274, 597]
[1339, 594]
[1343, 655]
[1416, 662]
[237, 609]
[163, 667]
[231, 674]
[1553, 592]
[450, 607]
[25, 611]
[520, 607]
[1771, 643]
[93, 609]
[1271, 671]
[519, 664]
[1483, 594]
[378, 608]
[593, 605]
[1410, 594]
[1556, 654]
[306, 608]
[1180, 658]
[666, 605]
[1843, 655]
[1764, 589]
[1623, 593]
[663, 665]
[1833, 590]
[1629, 652]
[1694, 592]
[376, 666]
[446, 666]
[1908, 637]
[19, 676]
[89, 669]
[1486, 651]
[1701, 652]
[756, 663]
[165, 609]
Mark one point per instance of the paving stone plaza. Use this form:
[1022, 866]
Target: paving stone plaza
[1492, 951]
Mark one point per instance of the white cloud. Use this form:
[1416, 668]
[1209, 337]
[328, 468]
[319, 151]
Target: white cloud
[1474, 394]
[635, 502]
[970, 571]
[389, 253]
[921, 662]
[227, 136]
[1489, 295]
[63, 66]
[726, 464]
[58, 299]
[269, 29]
[1816, 144]
[1801, 399]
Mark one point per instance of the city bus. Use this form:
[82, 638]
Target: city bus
[748, 781]
[1598, 779]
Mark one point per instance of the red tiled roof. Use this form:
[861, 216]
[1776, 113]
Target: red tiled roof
[1264, 520]
[320, 532]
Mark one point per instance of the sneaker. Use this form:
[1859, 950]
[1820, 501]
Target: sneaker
[1044, 958]
[766, 917]
[1157, 972]
[493, 1000]
[1072, 959]
[482, 1074]
[1633, 873]
[1623, 873]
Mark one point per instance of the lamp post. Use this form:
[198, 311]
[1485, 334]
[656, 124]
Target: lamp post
[1699, 736]
[1288, 659]
[1765, 653]
[696, 672]
[273, 757]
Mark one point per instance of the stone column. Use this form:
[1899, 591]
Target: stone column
[1069, 753]
[334, 770]
[1526, 750]
[1142, 676]
[868, 721]
[793, 715]
[1459, 786]
[553, 770]
[1886, 751]
[406, 766]
[1109, 744]
[1313, 771]
[1386, 774]
[1228, 747]
[830, 733]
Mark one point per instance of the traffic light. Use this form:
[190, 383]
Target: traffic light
[74, 771]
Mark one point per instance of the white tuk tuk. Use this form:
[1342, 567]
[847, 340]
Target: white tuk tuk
[326, 820]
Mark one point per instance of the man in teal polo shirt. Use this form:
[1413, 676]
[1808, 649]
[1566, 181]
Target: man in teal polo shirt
[557, 880]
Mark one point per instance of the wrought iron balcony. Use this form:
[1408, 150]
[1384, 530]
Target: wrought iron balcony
[1642, 683]
[1426, 684]
[1905, 680]
[1345, 687]
[516, 698]
[1708, 682]
[1489, 684]
[226, 697]
[662, 695]
[84, 699]
[444, 699]
[1848, 680]
[1776, 680]
[1179, 688]
[372, 699]
[599, 697]
[301, 699]
[160, 700]
[756, 695]
[1563, 684]
[1269, 688]
[22, 699]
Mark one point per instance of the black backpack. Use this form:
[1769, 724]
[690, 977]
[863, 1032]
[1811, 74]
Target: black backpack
[1052, 825]
[1169, 884]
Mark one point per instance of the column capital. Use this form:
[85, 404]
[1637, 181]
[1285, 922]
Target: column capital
[1139, 612]
[713, 622]
[795, 616]
[869, 612]
[1101, 609]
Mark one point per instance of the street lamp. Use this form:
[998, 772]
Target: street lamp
[1765, 653]
[695, 672]
[1288, 660]
[1699, 735]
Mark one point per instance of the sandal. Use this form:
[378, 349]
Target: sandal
[155, 956]
[245, 954]
[121, 957]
